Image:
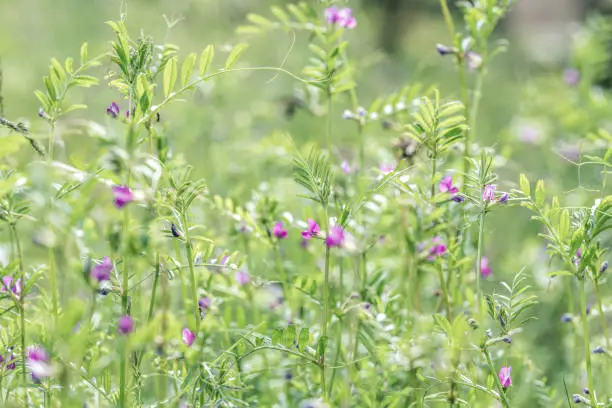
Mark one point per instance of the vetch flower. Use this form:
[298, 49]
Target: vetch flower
[474, 60]
[446, 185]
[571, 76]
[123, 196]
[504, 377]
[485, 269]
[346, 168]
[278, 231]
[599, 350]
[335, 238]
[16, 288]
[102, 271]
[38, 362]
[242, 278]
[386, 168]
[361, 112]
[504, 198]
[312, 231]
[577, 398]
[566, 318]
[10, 366]
[188, 337]
[125, 325]
[175, 231]
[438, 249]
[458, 198]
[604, 267]
[204, 303]
[444, 50]
[489, 192]
[347, 114]
[113, 110]
[341, 17]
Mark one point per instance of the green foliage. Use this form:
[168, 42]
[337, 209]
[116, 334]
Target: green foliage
[315, 174]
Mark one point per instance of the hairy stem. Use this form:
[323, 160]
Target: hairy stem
[500, 389]
[587, 348]
[192, 275]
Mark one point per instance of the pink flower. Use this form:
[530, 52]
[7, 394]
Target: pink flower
[504, 377]
[438, 249]
[242, 278]
[125, 325]
[571, 76]
[386, 168]
[341, 17]
[335, 238]
[102, 271]
[446, 185]
[38, 362]
[6, 283]
[113, 110]
[278, 231]
[489, 192]
[485, 270]
[188, 337]
[312, 230]
[123, 196]
[346, 168]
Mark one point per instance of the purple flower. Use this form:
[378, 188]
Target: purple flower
[204, 303]
[346, 168]
[386, 168]
[10, 366]
[38, 362]
[102, 271]
[474, 60]
[504, 198]
[485, 269]
[438, 249]
[242, 278]
[341, 17]
[278, 231]
[125, 325]
[599, 350]
[444, 50]
[123, 196]
[566, 318]
[446, 185]
[335, 238]
[458, 198]
[188, 337]
[113, 110]
[571, 76]
[579, 253]
[37, 354]
[604, 267]
[16, 288]
[489, 192]
[312, 231]
[504, 377]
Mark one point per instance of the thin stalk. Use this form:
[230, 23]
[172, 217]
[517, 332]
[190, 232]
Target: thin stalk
[466, 103]
[601, 315]
[500, 389]
[478, 259]
[445, 296]
[123, 377]
[329, 122]
[325, 303]
[15, 239]
[448, 19]
[192, 275]
[52, 269]
[126, 250]
[587, 348]
[282, 273]
[154, 291]
[434, 163]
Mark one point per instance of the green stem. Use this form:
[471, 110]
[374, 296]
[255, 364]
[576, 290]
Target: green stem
[478, 263]
[192, 275]
[445, 294]
[601, 315]
[587, 348]
[434, 163]
[500, 389]
[448, 19]
[54, 292]
[467, 132]
[154, 291]
[325, 303]
[123, 377]
[15, 238]
[126, 268]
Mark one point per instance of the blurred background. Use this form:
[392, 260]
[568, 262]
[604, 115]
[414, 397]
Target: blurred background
[541, 98]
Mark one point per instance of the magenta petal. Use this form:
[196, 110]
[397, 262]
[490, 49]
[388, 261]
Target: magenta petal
[188, 337]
